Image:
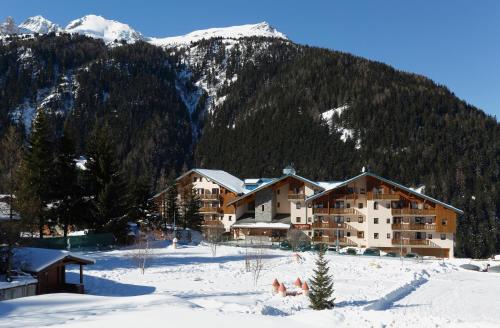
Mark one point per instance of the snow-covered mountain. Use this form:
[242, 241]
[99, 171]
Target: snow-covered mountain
[110, 30]
[101, 28]
[38, 24]
[233, 32]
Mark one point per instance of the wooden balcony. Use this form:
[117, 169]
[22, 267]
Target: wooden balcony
[209, 196]
[329, 239]
[328, 225]
[408, 226]
[378, 196]
[335, 211]
[411, 242]
[208, 210]
[296, 196]
[413, 212]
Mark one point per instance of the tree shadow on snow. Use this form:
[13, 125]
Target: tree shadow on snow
[106, 287]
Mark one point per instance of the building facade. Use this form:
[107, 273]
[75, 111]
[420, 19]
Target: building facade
[364, 211]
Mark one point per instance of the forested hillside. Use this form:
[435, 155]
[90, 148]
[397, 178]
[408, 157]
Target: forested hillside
[252, 106]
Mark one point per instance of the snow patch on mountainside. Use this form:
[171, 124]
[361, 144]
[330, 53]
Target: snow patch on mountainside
[332, 117]
[233, 32]
[38, 24]
[101, 28]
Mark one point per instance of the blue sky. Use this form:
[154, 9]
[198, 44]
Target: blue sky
[454, 42]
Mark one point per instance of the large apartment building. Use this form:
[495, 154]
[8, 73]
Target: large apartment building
[364, 211]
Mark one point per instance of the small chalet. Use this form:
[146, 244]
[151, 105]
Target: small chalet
[48, 266]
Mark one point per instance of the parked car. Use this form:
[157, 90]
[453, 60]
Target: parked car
[285, 245]
[412, 256]
[304, 247]
[351, 251]
[392, 254]
[372, 252]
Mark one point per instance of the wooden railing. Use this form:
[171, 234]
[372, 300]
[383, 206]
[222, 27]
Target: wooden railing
[328, 225]
[411, 242]
[377, 196]
[329, 239]
[412, 211]
[210, 209]
[209, 196]
[408, 226]
[334, 211]
[296, 196]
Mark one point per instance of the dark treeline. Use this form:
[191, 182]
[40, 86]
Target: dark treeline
[403, 126]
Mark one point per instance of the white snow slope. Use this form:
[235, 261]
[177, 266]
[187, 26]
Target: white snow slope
[100, 28]
[188, 287]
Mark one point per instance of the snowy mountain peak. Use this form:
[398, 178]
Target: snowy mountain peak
[38, 24]
[233, 32]
[101, 28]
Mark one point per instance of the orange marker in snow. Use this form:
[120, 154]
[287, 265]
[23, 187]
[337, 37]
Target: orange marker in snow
[282, 290]
[276, 285]
[305, 288]
[298, 283]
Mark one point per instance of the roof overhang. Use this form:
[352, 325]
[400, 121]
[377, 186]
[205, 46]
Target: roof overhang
[389, 182]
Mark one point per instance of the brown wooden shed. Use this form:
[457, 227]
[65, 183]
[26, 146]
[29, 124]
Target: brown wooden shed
[48, 266]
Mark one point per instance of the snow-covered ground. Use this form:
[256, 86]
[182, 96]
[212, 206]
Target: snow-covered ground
[189, 287]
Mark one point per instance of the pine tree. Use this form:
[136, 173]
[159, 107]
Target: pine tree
[68, 193]
[36, 186]
[171, 204]
[191, 217]
[105, 185]
[321, 289]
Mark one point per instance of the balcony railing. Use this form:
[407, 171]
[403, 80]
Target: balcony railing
[209, 196]
[378, 196]
[411, 242]
[413, 212]
[409, 226]
[210, 210]
[296, 196]
[329, 239]
[335, 211]
[328, 225]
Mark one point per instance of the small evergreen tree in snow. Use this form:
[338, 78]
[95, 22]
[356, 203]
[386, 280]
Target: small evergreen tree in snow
[321, 289]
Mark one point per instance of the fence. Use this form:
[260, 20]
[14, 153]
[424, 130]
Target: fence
[90, 241]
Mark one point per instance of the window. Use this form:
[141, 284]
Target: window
[310, 205]
[348, 205]
[444, 222]
[262, 208]
[361, 234]
[297, 219]
[375, 235]
[195, 179]
[375, 220]
[375, 205]
[309, 233]
[278, 204]
[348, 234]
[429, 236]
[443, 236]
[388, 236]
[278, 192]
[297, 206]
[360, 205]
[360, 219]
[309, 219]
[362, 191]
[388, 205]
[347, 219]
[388, 221]
[230, 218]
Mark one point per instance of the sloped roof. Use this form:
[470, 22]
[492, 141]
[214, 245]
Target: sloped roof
[220, 177]
[270, 183]
[412, 191]
[31, 259]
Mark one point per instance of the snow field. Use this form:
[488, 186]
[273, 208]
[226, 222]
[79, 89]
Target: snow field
[189, 287]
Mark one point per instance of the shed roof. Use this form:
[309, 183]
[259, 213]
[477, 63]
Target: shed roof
[31, 259]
